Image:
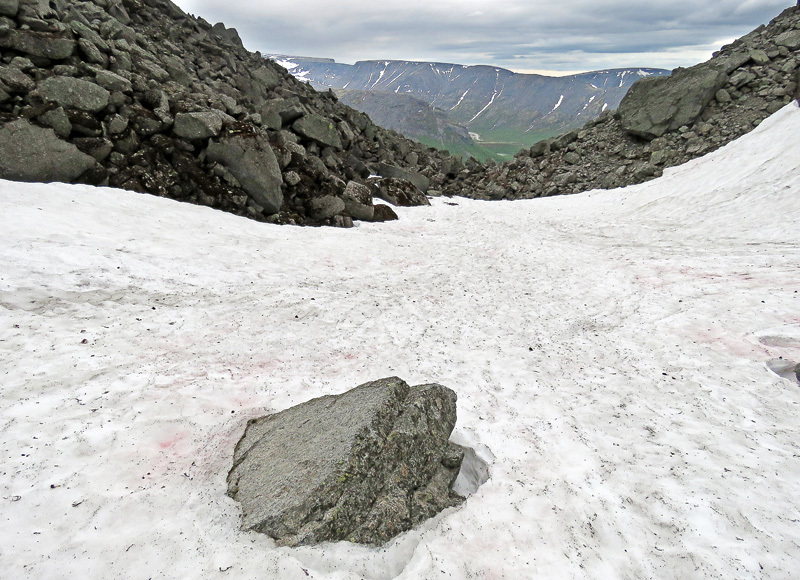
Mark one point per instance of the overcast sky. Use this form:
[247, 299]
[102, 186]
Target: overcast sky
[520, 35]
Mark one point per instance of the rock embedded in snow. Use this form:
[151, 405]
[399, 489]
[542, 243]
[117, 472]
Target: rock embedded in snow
[362, 466]
[252, 162]
[400, 192]
[357, 199]
[383, 213]
[420, 181]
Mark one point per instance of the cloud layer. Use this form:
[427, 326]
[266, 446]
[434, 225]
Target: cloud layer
[521, 35]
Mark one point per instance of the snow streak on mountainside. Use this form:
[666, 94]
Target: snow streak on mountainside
[610, 351]
[492, 101]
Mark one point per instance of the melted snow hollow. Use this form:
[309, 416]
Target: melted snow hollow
[609, 351]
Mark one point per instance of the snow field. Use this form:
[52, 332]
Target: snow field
[609, 351]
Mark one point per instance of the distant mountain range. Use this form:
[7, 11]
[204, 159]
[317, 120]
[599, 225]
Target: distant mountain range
[484, 111]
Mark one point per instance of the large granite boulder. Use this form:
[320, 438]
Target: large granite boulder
[31, 153]
[72, 93]
[420, 181]
[790, 39]
[362, 466]
[34, 43]
[319, 129]
[400, 192]
[656, 105]
[250, 159]
[198, 125]
[325, 207]
[357, 199]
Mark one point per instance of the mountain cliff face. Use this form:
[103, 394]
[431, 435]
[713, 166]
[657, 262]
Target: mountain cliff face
[504, 111]
[139, 95]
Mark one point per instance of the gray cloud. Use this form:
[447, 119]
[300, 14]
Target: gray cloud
[516, 34]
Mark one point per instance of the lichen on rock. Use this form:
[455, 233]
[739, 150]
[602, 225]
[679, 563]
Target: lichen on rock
[362, 466]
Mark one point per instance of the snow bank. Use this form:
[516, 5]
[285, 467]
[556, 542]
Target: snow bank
[609, 351]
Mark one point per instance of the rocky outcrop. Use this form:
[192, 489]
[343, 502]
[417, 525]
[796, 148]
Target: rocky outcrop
[656, 105]
[362, 466]
[34, 153]
[139, 95]
[662, 122]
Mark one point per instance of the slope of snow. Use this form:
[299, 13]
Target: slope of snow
[609, 351]
[558, 104]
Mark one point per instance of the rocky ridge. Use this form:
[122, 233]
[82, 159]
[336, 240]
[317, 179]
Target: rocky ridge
[139, 95]
[661, 122]
[505, 111]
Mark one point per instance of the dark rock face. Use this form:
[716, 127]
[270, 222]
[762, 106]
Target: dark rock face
[383, 213]
[400, 192]
[164, 103]
[420, 181]
[654, 106]
[362, 466]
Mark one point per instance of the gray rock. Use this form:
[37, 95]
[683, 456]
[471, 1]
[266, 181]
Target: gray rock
[655, 105]
[327, 206]
[271, 119]
[42, 44]
[199, 125]
[177, 72]
[72, 93]
[113, 81]
[362, 466]
[759, 57]
[58, 120]
[9, 7]
[252, 162]
[731, 62]
[723, 96]
[358, 201]
[400, 192]
[117, 124]
[287, 109]
[319, 129]
[346, 133]
[420, 181]
[790, 39]
[97, 147]
[16, 80]
[292, 178]
[741, 78]
[267, 77]
[659, 157]
[32, 153]
[563, 140]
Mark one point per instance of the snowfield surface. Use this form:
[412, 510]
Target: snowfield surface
[609, 351]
